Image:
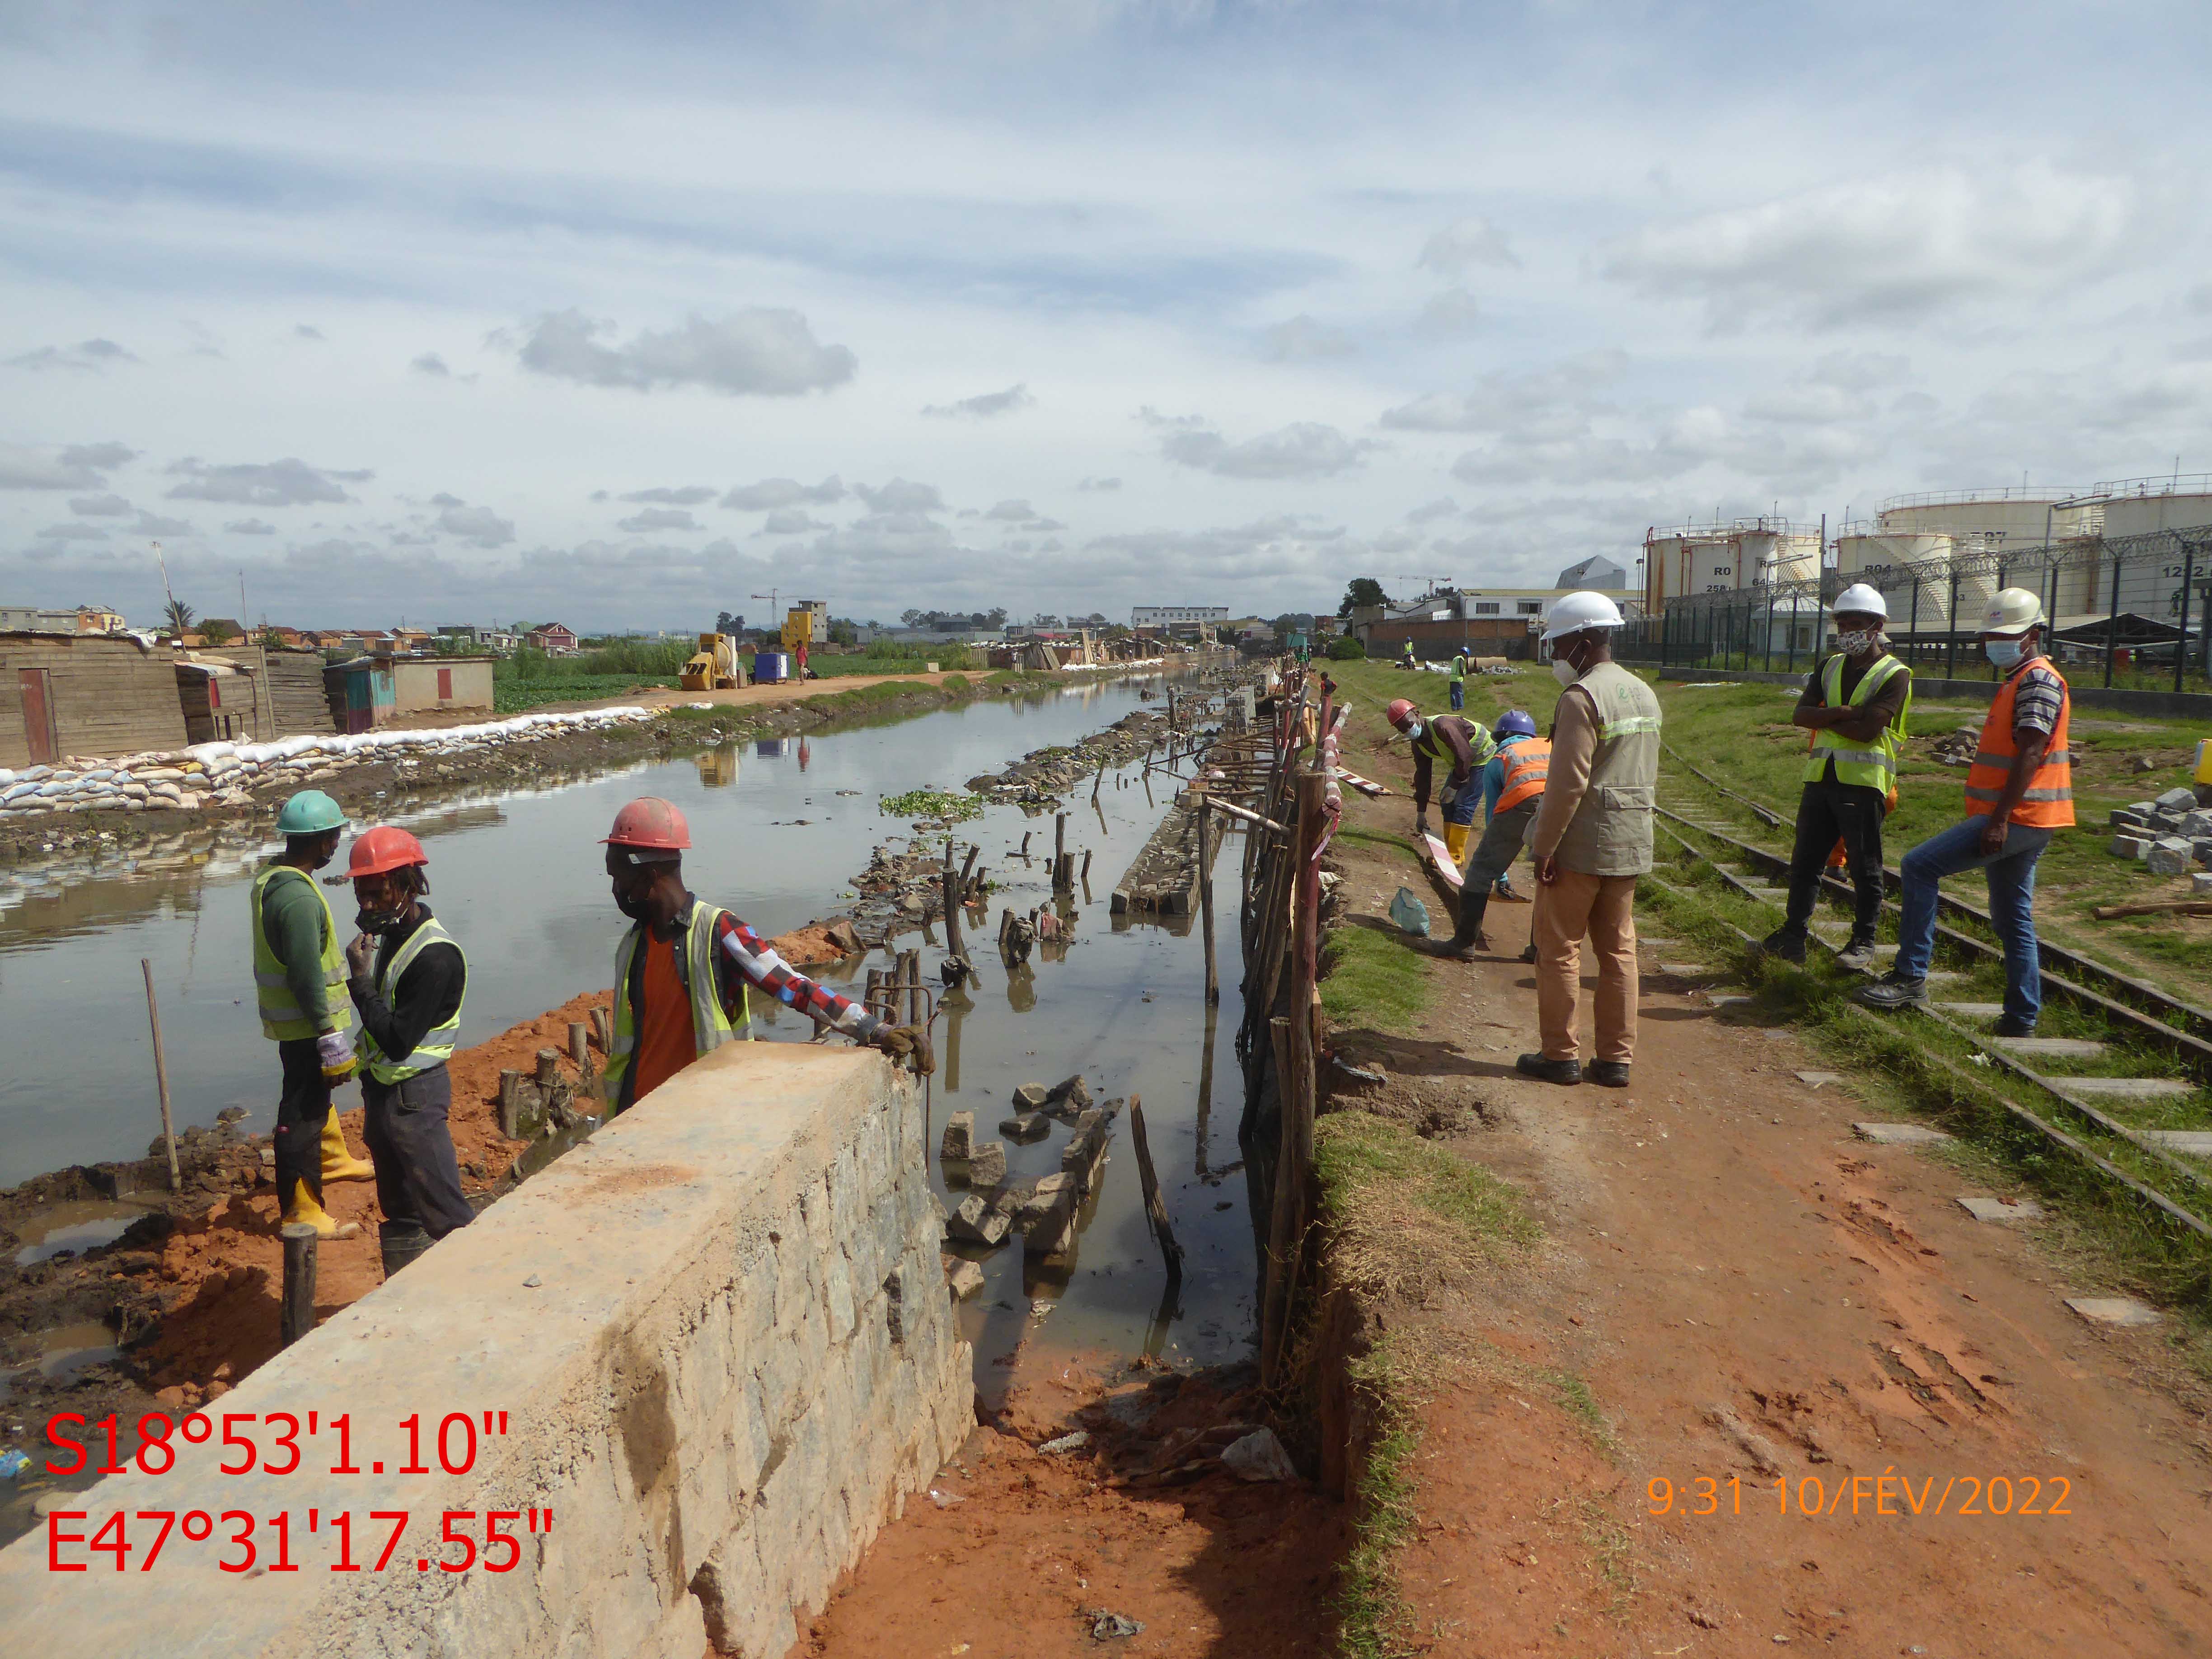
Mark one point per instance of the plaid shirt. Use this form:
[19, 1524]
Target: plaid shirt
[744, 955]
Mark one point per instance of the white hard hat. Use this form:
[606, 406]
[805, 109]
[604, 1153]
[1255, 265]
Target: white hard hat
[1860, 599]
[2015, 610]
[1579, 611]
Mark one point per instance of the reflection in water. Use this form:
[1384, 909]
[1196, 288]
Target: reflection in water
[519, 879]
[718, 767]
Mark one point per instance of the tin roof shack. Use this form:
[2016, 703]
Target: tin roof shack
[421, 683]
[359, 693]
[220, 700]
[292, 701]
[85, 694]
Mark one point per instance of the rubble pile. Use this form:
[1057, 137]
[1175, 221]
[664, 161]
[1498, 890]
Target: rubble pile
[1048, 1211]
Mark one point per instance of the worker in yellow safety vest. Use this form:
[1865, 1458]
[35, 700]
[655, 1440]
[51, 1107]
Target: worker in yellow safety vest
[2020, 793]
[407, 977]
[298, 979]
[1856, 705]
[683, 970]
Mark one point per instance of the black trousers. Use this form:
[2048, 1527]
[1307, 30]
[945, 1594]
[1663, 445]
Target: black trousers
[1826, 813]
[302, 1110]
[412, 1143]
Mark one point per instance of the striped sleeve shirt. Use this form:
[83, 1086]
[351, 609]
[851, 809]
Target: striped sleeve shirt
[2036, 703]
[745, 953]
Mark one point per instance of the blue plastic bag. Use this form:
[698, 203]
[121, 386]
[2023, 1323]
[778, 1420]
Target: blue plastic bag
[1410, 914]
[12, 1463]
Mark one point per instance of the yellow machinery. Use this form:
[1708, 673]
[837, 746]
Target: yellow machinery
[713, 666]
[798, 628]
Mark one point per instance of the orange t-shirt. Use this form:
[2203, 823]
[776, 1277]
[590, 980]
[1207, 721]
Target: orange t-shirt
[665, 1042]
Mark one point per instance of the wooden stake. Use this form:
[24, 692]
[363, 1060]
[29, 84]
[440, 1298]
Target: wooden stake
[1086, 864]
[298, 1315]
[1206, 902]
[549, 1067]
[579, 1045]
[161, 1074]
[1059, 848]
[510, 1105]
[1155, 1209]
[603, 1026]
[951, 882]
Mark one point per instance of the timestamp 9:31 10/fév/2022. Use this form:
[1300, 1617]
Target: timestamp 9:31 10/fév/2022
[1888, 1493]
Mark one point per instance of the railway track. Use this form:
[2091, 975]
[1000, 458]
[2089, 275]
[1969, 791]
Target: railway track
[2161, 1125]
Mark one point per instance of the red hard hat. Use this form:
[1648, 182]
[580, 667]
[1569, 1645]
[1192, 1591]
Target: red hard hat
[649, 821]
[383, 849]
[1400, 712]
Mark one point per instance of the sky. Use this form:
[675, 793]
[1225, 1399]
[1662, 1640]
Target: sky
[624, 316]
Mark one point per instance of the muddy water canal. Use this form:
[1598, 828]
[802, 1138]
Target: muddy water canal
[779, 827]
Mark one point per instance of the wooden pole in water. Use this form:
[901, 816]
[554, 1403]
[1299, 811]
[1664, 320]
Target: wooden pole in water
[579, 1045]
[952, 901]
[1206, 901]
[1058, 849]
[1155, 1209]
[1097, 781]
[160, 1074]
[298, 1317]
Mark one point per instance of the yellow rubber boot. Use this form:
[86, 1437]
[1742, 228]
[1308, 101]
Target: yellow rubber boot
[303, 1208]
[338, 1162]
[1455, 843]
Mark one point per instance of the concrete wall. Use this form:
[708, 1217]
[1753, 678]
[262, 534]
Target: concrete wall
[415, 684]
[721, 1335]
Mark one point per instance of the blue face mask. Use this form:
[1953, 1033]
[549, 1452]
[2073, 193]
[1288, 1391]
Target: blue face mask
[1414, 729]
[2005, 653]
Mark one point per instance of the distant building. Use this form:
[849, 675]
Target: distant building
[1489, 622]
[553, 639]
[1596, 572]
[1160, 616]
[84, 619]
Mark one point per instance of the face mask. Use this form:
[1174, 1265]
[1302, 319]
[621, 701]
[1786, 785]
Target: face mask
[630, 905]
[1563, 671]
[2005, 653]
[380, 921]
[1414, 729]
[1859, 641]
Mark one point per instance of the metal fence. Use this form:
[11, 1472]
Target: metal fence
[2137, 607]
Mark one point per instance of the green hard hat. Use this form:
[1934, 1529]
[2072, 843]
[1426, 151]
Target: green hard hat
[309, 814]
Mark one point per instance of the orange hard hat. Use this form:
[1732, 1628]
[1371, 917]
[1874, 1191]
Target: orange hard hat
[1400, 712]
[383, 849]
[649, 821]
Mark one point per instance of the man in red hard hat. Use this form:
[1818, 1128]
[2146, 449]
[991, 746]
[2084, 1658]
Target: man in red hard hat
[682, 969]
[407, 977]
[1464, 747]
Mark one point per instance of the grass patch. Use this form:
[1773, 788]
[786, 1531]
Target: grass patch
[1373, 1613]
[1407, 1216]
[1372, 976]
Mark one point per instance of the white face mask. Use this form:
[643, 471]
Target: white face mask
[1563, 671]
[1413, 730]
[2005, 653]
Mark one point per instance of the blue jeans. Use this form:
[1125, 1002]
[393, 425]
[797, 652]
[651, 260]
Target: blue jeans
[1458, 694]
[2011, 877]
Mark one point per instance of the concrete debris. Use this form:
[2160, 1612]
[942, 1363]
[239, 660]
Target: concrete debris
[2168, 857]
[1025, 1128]
[1259, 1457]
[1957, 747]
[1043, 1199]
[959, 1143]
[2178, 800]
[962, 1278]
[1030, 1097]
[1105, 1626]
[976, 1223]
[1068, 1097]
[987, 1164]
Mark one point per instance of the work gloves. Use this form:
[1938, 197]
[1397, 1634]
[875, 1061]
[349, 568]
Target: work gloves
[335, 1050]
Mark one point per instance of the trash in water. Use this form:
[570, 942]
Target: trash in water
[1410, 914]
[1105, 1626]
[13, 1463]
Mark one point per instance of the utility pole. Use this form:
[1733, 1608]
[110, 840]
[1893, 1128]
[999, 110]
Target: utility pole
[166, 593]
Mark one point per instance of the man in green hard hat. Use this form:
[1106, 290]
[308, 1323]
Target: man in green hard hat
[299, 979]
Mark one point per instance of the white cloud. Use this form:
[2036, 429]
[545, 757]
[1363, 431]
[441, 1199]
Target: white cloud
[790, 522]
[900, 495]
[1303, 449]
[1889, 250]
[984, 406]
[1452, 312]
[1013, 511]
[308, 332]
[74, 466]
[99, 507]
[1558, 398]
[250, 527]
[432, 364]
[1100, 485]
[771, 493]
[86, 354]
[684, 495]
[288, 482]
[1303, 338]
[72, 533]
[479, 526]
[658, 518]
[758, 351]
[1465, 243]
[152, 523]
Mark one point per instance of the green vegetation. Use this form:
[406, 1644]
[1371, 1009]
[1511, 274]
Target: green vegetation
[1360, 1160]
[514, 696]
[1345, 648]
[932, 804]
[1373, 976]
[1374, 1614]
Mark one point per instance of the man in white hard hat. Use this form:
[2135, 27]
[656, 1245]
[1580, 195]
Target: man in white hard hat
[2020, 793]
[1591, 840]
[1854, 704]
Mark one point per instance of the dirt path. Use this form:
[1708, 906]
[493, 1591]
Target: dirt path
[1749, 1293]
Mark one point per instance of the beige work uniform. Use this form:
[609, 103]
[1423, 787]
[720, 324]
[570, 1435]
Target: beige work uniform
[1595, 821]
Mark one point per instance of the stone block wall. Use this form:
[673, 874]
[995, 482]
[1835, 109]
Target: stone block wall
[720, 1334]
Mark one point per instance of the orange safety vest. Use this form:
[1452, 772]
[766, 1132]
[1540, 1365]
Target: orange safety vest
[2049, 802]
[1527, 763]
